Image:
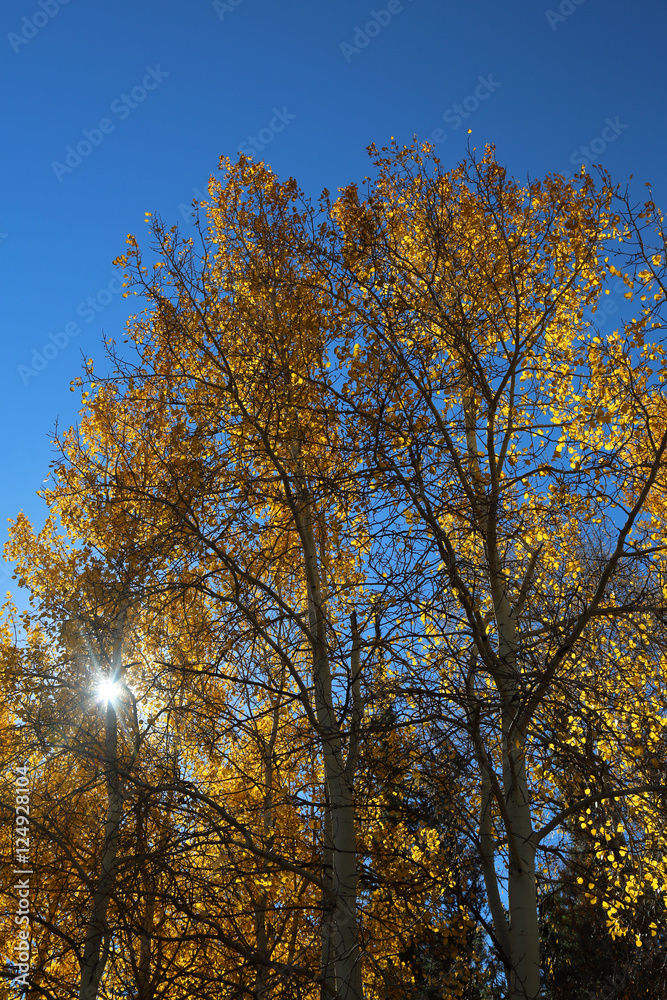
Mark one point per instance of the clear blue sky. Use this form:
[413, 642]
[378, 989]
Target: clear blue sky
[163, 88]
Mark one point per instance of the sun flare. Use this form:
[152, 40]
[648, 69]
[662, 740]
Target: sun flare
[107, 690]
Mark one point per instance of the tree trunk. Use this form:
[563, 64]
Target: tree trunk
[338, 774]
[343, 834]
[262, 944]
[145, 989]
[521, 888]
[328, 907]
[98, 933]
[524, 937]
[98, 937]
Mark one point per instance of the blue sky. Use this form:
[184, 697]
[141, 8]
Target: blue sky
[115, 109]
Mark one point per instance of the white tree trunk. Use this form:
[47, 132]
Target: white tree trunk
[98, 933]
[521, 886]
[97, 942]
[521, 938]
[339, 773]
[524, 938]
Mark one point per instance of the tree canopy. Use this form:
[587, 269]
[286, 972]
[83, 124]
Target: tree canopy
[364, 532]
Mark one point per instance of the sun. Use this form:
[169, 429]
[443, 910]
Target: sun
[107, 690]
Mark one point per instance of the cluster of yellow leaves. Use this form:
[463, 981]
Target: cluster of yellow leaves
[399, 407]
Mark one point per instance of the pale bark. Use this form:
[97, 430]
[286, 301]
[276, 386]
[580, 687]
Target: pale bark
[521, 938]
[521, 885]
[339, 773]
[262, 945]
[500, 924]
[145, 985]
[98, 933]
[327, 975]
[524, 938]
[343, 834]
[145, 990]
